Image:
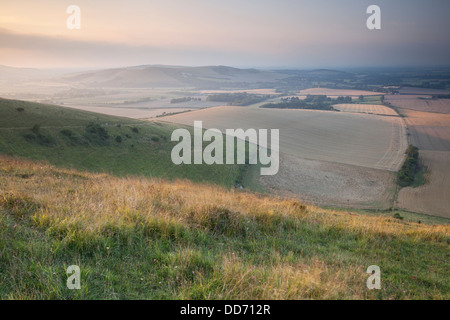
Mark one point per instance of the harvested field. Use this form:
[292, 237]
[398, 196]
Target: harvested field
[326, 157]
[419, 103]
[327, 183]
[357, 139]
[432, 198]
[415, 90]
[366, 108]
[252, 91]
[337, 92]
[428, 131]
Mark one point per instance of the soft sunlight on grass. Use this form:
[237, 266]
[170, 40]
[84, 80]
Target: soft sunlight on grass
[155, 239]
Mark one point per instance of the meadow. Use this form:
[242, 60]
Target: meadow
[120, 146]
[145, 238]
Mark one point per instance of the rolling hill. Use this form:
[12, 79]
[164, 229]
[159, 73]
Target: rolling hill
[208, 77]
[84, 140]
[115, 208]
[140, 238]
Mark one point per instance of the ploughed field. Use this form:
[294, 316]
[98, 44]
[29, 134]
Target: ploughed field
[326, 157]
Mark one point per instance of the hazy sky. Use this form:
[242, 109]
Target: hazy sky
[242, 33]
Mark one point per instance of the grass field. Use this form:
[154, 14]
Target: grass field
[144, 148]
[327, 157]
[139, 238]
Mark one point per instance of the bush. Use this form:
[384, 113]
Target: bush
[135, 130]
[97, 134]
[119, 139]
[67, 132]
[410, 167]
[155, 138]
[36, 129]
[72, 137]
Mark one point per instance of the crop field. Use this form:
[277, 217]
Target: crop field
[433, 197]
[355, 144]
[328, 183]
[419, 103]
[337, 92]
[366, 108]
[251, 91]
[428, 131]
[357, 139]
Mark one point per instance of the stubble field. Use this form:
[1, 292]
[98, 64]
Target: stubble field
[333, 158]
[419, 103]
[366, 108]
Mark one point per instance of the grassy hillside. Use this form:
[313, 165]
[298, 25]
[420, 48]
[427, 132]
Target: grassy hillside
[154, 239]
[100, 143]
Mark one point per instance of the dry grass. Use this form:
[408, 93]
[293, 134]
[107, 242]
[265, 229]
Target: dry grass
[199, 241]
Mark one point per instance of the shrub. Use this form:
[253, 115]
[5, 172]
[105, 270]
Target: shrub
[97, 134]
[119, 139]
[36, 129]
[410, 167]
[72, 137]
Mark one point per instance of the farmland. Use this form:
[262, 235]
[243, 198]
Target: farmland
[419, 103]
[430, 132]
[366, 108]
[433, 197]
[337, 92]
[333, 158]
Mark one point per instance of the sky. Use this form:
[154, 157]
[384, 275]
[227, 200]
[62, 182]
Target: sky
[239, 33]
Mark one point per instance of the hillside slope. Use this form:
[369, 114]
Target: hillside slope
[154, 239]
[174, 77]
[84, 140]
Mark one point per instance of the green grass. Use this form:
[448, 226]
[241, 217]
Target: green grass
[149, 239]
[421, 176]
[60, 136]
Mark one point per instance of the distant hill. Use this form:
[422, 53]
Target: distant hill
[8, 74]
[172, 76]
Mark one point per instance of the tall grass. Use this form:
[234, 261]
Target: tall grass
[156, 239]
